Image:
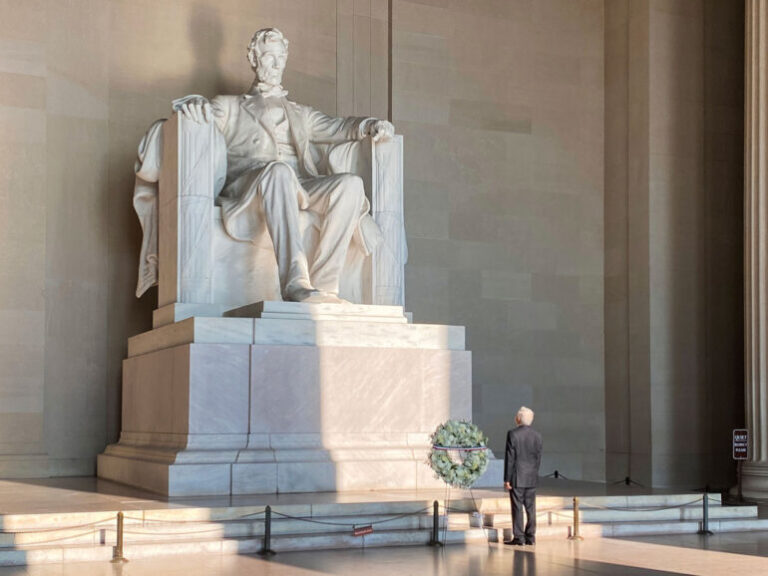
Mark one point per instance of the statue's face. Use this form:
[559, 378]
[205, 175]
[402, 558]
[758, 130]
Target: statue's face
[271, 65]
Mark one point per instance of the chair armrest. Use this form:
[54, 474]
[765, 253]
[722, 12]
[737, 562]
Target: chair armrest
[387, 209]
[380, 165]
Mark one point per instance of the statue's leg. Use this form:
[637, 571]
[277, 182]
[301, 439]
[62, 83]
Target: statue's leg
[339, 200]
[279, 196]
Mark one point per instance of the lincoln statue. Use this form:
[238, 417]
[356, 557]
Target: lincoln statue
[273, 171]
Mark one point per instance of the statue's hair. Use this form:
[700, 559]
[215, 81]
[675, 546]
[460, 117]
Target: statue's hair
[525, 416]
[259, 41]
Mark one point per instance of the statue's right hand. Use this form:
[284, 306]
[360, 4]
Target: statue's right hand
[195, 108]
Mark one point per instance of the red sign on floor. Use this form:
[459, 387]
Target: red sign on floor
[740, 443]
[362, 530]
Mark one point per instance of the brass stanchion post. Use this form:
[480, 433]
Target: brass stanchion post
[435, 541]
[266, 549]
[575, 535]
[117, 550]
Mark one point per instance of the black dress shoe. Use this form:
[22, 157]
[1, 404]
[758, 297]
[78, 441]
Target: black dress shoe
[515, 542]
[530, 541]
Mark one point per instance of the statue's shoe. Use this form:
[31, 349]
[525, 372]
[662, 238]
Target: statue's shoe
[320, 297]
[299, 294]
[312, 296]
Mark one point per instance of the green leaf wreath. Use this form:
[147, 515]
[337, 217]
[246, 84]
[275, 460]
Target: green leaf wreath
[458, 436]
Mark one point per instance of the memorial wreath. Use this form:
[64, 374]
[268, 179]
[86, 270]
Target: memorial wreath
[458, 456]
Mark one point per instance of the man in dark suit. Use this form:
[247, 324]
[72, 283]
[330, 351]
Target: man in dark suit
[521, 472]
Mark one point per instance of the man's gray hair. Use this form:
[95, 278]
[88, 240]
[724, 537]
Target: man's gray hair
[260, 41]
[525, 416]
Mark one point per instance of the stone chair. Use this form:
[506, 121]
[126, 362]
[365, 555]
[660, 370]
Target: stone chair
[201, 271]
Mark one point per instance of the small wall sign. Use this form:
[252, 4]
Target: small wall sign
[740, 443]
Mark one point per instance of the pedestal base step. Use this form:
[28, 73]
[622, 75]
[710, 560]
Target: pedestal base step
[298, 330]
[233, 474]
[283, 310]
[302, 311]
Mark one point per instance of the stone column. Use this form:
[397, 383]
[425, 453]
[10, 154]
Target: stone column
[755, 471]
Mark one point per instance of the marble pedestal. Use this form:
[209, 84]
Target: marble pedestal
[297, 398]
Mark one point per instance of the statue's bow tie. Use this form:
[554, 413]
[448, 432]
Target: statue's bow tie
[270, 90]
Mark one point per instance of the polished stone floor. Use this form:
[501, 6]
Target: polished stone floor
[599, 557]
[741, 553]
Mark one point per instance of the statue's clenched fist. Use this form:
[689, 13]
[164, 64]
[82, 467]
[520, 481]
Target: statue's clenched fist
[381, 130]
[195, 108]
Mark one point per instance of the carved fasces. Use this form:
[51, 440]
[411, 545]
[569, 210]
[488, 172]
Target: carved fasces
[187, 187]
[390, 256]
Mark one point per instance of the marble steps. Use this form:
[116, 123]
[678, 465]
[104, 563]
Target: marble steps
[140, 531]
[321, 540]
[645, 528]
[606, 517]
[377, 538]
[630, 501]
[685, 527]
[202, 515]
[89, 536]
[565, 516]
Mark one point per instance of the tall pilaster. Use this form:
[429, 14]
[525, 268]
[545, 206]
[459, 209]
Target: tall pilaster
[755, 471]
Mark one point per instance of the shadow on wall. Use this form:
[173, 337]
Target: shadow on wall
[205, 24]
[128, 315]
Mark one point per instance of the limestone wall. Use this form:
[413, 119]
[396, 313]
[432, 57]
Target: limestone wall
[673, 246]
[501, 106]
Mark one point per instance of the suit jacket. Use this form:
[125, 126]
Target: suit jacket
[251, 145]
[522, 457]
[251, 142]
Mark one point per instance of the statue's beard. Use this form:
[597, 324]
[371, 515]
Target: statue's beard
[269, 85]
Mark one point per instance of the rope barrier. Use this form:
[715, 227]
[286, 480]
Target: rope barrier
[353, 524]
[103, 522]
[458, 510]
[155, 533]
[62, 538]
[169, 521]
[642, 509]
[56, 529]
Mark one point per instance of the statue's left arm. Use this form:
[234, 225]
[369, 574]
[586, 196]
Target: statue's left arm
[329, 129]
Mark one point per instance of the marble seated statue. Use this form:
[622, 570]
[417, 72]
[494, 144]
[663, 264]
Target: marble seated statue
[254, 197]
[245, 201]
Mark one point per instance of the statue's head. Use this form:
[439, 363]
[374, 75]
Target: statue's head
[267, 53]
